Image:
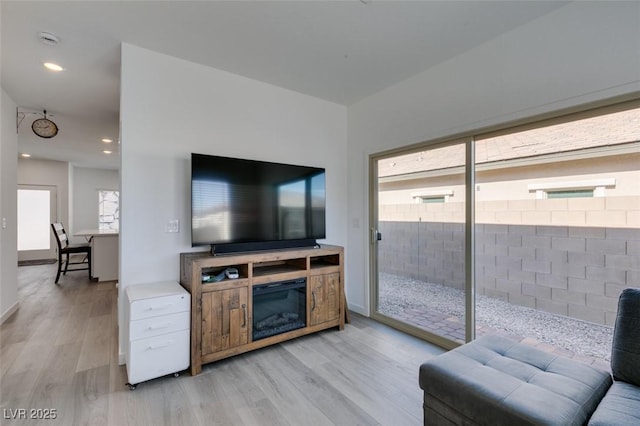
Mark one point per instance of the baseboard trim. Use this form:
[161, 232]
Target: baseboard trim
[12, 309]
[359, 309]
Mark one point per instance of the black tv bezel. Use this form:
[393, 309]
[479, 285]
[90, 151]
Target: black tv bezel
[230, 248]
[258, 245]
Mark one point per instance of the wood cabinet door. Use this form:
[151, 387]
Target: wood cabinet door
[324, 298]
[225, 319]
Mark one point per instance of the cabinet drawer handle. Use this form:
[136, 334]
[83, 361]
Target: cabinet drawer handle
[164, 345]
[313, 299]
[159, 327]
[158, 308]
[244, 311]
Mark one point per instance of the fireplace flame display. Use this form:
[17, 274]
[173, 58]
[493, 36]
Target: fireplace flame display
[278, 308]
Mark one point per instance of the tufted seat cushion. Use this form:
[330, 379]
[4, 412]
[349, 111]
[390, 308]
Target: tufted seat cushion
[620, 406]
[497, 381]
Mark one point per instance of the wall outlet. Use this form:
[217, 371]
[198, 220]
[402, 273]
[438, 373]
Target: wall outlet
[4, 223]
[173, 225]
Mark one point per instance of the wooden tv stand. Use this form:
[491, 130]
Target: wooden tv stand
[221, 312]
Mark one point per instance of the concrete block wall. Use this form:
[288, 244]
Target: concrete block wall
[622, 212]
[427, 251]
[571, 271]
[576, 270]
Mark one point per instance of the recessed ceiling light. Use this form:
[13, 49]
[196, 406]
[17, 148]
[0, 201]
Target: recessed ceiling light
[107, 140]
[107, 151]
[52, 67]
[25, 155]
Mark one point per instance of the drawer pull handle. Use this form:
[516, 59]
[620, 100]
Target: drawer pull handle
[313, 297]
[159, 327]
[164, 345]
[158, 308]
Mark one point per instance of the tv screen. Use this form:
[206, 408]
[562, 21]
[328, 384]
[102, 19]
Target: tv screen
[239, 204]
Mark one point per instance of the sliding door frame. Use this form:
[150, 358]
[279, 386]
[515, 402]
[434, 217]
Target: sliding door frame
[619, 103]
[373, 242]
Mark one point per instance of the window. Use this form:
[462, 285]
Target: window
[575, 189]
[427, 200]
[108, 210]
[428, 196]
[575, 193]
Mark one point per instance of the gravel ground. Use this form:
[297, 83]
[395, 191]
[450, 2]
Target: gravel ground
[398, 294]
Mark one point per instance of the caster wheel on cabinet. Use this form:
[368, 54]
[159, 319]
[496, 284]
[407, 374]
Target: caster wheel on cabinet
[131, 387]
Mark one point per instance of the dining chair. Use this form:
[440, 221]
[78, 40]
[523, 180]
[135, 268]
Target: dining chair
[66, 249]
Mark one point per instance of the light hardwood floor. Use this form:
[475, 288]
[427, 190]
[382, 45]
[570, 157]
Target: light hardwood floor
[59, 351]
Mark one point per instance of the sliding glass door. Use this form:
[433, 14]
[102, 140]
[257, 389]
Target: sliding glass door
[557, 229]
[419, 240]
[531, 232]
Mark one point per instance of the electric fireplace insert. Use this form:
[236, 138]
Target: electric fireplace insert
[279, 307]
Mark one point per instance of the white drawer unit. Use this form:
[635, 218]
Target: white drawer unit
[157, 318]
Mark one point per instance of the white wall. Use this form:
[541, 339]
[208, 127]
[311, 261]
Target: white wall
[8, 208]
[85, 184]
[583, 52]
[170, 108]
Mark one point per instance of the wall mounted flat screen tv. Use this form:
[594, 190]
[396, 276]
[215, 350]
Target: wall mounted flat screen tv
[244, 205]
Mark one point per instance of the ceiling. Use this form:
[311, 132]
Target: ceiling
[341, 51]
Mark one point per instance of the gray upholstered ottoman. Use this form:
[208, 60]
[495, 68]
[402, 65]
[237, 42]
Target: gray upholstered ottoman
[497, 381]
